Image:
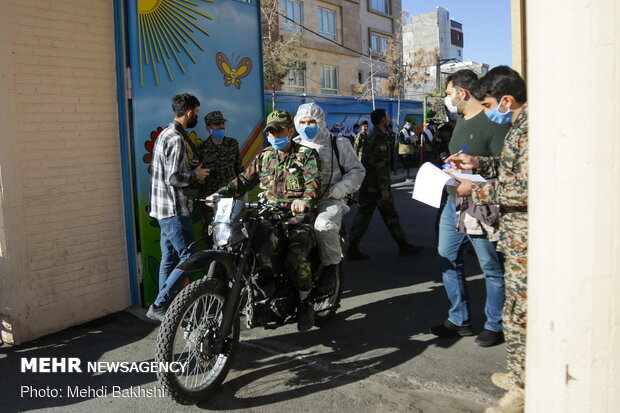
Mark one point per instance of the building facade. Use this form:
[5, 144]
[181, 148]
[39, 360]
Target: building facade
[343, 31]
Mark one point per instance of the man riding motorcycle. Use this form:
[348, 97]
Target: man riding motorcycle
[288, 172]
[342, 174]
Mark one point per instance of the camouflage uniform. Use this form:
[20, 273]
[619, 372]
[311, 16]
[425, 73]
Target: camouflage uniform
[285, 177]
[376, 160]
[358, 144]
[510, 192]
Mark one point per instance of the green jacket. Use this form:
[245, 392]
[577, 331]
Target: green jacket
[282, 177]
[376, 160]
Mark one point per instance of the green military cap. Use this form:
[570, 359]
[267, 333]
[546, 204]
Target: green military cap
[214, 117]
[278, 120]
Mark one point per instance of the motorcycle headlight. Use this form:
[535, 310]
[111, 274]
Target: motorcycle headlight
[221, 234]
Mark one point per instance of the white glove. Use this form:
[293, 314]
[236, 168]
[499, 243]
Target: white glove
[336, 192]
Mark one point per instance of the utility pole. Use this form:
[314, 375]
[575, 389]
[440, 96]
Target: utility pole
[438, 72]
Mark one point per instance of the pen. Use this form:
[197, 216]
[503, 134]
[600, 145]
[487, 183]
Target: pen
[447, 164]
[462, 150]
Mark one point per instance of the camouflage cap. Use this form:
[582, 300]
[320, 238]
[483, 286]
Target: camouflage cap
[278, 120]
[214, 117]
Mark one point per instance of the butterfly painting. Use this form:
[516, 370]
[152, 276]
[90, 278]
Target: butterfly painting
[233, 75]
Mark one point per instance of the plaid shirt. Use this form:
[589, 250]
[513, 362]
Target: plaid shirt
[171, 175]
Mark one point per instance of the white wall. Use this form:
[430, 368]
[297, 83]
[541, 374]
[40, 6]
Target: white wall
[63, 261]
[573, 348]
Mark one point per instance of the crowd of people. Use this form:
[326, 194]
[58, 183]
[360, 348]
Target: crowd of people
[316, 170]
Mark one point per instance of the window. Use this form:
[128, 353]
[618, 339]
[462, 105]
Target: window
[295, 79]
[380, 5]
[294, 11]
[378, 43]
[459, 53]
[327, 23]
[329, 80]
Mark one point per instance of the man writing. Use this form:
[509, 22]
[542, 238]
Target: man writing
[505, 100]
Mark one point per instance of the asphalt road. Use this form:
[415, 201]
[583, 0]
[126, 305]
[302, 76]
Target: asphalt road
[375, 356]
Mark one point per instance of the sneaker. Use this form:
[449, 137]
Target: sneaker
[489, 338]
[449, 329]
[502, 381]
[327, 281]
[156, 313]
[512, 402]
[355, 254]
[305, 316]
[406, 250]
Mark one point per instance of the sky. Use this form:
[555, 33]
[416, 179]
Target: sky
[486, 26]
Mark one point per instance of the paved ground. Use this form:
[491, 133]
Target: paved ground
[376, 355]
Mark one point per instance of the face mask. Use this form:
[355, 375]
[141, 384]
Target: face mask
[498, 117]
[192, 123]
[218, 134]
[278, 143]
[408, 127]
[356, 131]
[452, 108]
[309, 132]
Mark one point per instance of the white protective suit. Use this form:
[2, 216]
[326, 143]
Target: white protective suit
[332, 204]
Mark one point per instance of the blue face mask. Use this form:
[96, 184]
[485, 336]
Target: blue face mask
[218, 134]
[309, 132]
[356, 131]
[278, 143]
[498, 117]
[407, 127]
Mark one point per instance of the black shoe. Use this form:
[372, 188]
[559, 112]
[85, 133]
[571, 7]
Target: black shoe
[406, 250]
[327, 281]
[355, 254]
[489, 338]
[156, 313]
[305, 316]
[449, 329]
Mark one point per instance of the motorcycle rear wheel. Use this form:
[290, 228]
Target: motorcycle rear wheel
[185, 336]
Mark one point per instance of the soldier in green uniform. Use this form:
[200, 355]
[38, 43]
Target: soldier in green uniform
[375, 190]
[220, 154]
[505, 100]
[288, 172]
[360, 138]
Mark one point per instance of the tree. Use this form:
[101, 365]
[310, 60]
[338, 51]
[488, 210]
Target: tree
[280, 53]
[400, 72]
[370, 88]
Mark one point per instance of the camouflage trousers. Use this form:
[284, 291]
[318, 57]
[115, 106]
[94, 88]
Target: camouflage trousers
[301, 240]
[515, 314]
[368, 201]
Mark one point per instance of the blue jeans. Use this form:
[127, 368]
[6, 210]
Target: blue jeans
[450, 250]
[177, 233]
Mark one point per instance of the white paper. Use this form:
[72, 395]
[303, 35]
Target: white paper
[471, 177]
[429, 183]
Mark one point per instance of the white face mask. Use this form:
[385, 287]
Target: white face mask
[452, 108]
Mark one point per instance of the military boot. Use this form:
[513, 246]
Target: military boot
[305, 315]
[512, 402]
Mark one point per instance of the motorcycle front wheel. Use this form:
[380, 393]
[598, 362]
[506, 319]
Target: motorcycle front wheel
[186, 337]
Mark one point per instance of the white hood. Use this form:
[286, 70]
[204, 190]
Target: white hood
[314, 111]
[353, 170]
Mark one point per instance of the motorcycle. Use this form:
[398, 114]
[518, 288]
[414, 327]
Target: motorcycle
[244, 277]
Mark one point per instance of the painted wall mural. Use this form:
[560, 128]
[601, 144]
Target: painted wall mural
[207, 48]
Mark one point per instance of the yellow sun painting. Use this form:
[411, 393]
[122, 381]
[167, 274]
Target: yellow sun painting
[164, 29]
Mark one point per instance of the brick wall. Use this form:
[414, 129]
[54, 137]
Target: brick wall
[65, 256]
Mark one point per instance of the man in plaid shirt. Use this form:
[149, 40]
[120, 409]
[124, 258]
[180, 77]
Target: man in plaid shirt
[170, 203]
